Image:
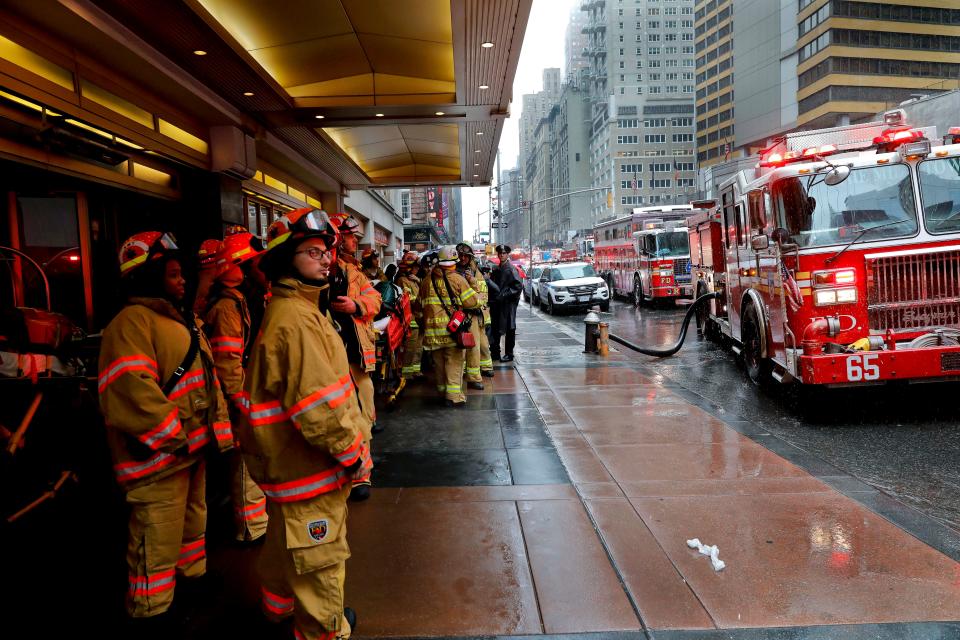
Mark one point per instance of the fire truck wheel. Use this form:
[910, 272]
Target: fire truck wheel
[758, 368]
[637, 292]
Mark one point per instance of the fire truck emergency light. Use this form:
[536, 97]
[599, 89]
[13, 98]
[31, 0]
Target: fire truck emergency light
[834, 278]
[953, 136]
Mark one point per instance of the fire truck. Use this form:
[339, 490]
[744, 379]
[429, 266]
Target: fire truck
[837, 261]
[645, 256]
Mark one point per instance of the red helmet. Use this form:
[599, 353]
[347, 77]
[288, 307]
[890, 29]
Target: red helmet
[143, 247]
[410, 260]
[348, 224]
[207, 255]
[369, 254]
[239, 245]
[298, 224]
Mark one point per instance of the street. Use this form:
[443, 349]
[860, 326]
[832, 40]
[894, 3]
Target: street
[902, 440]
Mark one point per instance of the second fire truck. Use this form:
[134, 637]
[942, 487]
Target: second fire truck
[838, 260]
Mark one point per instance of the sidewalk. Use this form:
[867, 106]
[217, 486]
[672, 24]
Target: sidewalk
[559, 501]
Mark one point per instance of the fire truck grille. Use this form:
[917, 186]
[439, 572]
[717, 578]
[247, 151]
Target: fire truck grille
[582, 289]
[910, 293]
[681, 269]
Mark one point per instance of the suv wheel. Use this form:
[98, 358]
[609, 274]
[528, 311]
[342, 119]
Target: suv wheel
[550, 308]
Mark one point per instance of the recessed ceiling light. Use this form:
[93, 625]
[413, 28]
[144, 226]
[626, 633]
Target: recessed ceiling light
[476, 150]
[319, 117]
[486, 45]
[484, 87]
[476, 175]
[379, 115]
[248, 93]
[439, 113]
[479, 133]
[476, 164]
[199, 52]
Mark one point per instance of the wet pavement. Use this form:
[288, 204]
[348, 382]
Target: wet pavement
[902, 440]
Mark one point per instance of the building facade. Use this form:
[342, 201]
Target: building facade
[641, 91]
[765, 67]
[575, 46]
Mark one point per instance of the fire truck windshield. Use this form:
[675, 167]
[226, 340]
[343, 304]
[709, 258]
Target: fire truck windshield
[673, 244]
[940, 192]
[816, 214]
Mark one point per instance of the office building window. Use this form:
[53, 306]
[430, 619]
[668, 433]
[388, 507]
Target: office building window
[655, 138]
[628, 139]
[661, 184]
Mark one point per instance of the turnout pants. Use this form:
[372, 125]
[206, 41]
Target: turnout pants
[473, 356]
[168, 520]
[412, 353]
[249, 503]
[364, 384]
[448, 370]
[303, 565]
[486, 360]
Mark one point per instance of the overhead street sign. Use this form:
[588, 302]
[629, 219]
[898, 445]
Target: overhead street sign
[499, 225]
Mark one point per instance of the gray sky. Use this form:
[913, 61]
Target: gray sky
[542, 48]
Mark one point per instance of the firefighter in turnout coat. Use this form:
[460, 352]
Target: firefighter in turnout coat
[301, 433]
[227, 320]
[409, 282]
[478, 358]
[354, 303]
[159, 423]
[442, 293]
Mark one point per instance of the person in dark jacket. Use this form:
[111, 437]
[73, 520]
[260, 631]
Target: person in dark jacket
[505, 320]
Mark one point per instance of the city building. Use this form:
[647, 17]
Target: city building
[535, 107]
[765, 68]
[641, 86]
[575, 45]
[432, 216]
[511, 213]
[714, 67]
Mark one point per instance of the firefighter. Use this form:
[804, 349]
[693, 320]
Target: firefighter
[228, 325]
[354, 304]
[301, 432]
[206, 272]
[370, 264]
[467, 267]
[409, 282]
[162, 407]
[442, 293]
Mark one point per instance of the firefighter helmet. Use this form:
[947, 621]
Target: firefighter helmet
[369, 254]
[347, 224]
[207, 254]
[238, 246]
[409, 260]
[447, 255]
[299, 224]
[464, 249]
[143, 247]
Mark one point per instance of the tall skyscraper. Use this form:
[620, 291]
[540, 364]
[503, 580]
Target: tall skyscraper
[641, 88]
[766, 67]
[714, 46]
[576, 42]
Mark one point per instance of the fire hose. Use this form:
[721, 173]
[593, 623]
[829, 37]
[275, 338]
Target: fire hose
[665, 353]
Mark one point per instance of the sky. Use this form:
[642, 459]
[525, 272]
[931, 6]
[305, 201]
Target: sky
[542, 48]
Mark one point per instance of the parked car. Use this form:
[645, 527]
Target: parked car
[572, 285]
[530, 284]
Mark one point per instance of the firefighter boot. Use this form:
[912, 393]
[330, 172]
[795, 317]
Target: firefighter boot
[360, 492]
[350, 617]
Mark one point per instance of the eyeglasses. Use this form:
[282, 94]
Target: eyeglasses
[316, 253]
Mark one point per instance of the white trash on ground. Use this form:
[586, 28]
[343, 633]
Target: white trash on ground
[712, 550]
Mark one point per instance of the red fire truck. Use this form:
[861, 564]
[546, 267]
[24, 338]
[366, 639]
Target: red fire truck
[645, 256]
[838, 260]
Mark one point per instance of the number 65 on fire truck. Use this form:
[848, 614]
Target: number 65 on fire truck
[838, 260]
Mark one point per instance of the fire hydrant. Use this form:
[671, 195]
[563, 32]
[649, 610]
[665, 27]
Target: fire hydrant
[591, 331]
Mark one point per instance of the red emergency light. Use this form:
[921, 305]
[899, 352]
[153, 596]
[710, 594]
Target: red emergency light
[893, 138]
[953, 136]
[810, 153]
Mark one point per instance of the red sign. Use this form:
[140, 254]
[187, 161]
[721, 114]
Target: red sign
[380, 236]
